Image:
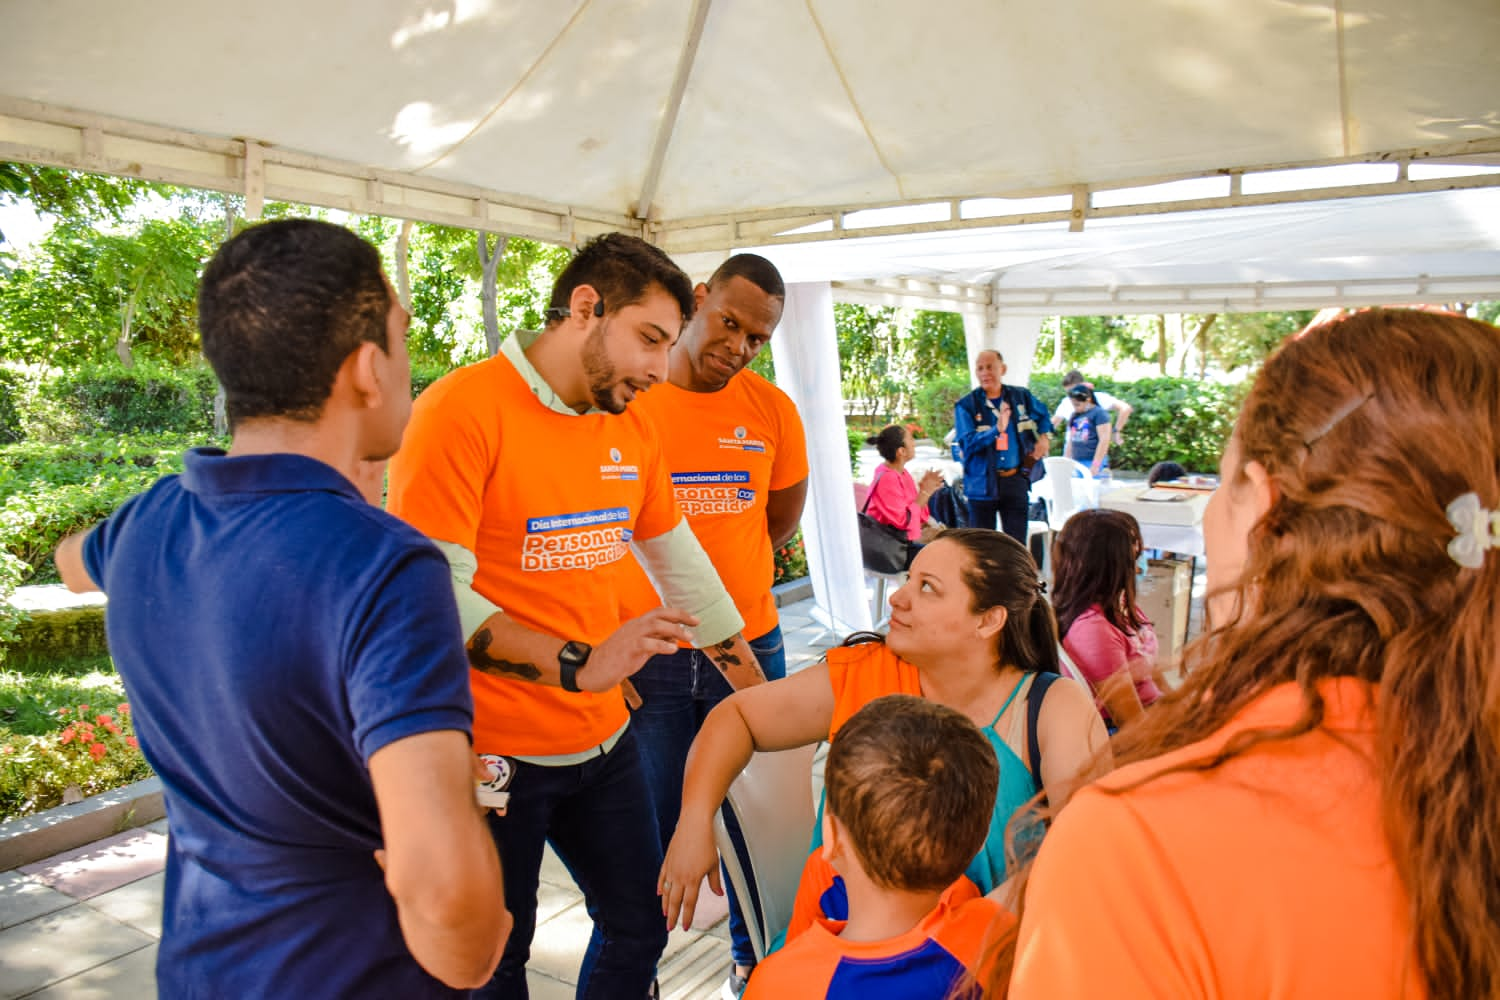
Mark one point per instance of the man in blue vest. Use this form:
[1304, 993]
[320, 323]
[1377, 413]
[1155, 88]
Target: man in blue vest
[1001, 431]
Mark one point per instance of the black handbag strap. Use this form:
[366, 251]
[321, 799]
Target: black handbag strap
[870, 493]
[1034, 697]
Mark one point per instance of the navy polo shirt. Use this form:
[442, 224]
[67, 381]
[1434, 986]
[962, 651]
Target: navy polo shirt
[274, 630]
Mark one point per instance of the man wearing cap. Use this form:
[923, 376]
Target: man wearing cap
[1002, 431]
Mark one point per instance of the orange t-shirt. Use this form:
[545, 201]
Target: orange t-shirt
[727, 450]
[548, 503]
[858, 675]
[929, 960]
[1268, 877]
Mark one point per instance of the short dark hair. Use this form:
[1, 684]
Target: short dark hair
[914, 783]
[890, 440]
[1072, 378]
[280, 307]
[621, 268]
[753, 268]
[1164, 471]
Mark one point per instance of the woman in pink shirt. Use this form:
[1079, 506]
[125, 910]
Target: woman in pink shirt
[895, 498]
[1095, 560]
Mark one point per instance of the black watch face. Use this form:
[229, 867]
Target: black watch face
[575, 653]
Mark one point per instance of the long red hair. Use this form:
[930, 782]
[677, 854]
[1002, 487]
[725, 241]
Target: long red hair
[1369, 426]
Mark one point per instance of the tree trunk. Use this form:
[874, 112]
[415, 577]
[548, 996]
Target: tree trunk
[403, 274]
[1161, 343]
[122, 346]
[1057, 345]
[1200, 339]
[489, 290]
[221, 404]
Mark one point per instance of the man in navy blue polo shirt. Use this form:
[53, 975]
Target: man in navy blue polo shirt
[294, 660]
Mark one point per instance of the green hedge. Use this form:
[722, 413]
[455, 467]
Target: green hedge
[934, 402]
[1175, 419]
[49, 491]
[11, 386]
[112, 399]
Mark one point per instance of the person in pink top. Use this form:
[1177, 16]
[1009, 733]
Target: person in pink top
[895, 498]
[1095, 561]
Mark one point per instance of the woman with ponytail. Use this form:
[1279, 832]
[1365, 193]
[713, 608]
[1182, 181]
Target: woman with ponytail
[1316, 811]
[971, 630]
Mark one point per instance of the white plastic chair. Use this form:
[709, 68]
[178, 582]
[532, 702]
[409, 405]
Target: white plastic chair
[772, 801]
[1067, 492]
[1070, 669]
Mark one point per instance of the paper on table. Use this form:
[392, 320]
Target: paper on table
[1163, 496]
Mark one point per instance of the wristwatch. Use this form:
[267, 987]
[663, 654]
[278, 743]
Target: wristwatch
[570, 659]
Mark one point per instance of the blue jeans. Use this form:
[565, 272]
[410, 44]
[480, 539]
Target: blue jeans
[677, 692]
[591, 815]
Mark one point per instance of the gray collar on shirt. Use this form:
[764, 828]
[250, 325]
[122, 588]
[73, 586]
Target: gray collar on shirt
[514, 348]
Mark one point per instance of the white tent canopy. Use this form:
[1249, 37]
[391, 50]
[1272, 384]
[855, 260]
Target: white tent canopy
[1007, 158]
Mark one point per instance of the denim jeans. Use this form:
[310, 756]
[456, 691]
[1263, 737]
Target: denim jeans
[677, 692]
[591, 815]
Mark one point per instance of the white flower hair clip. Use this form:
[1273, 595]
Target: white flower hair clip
[1478, 529]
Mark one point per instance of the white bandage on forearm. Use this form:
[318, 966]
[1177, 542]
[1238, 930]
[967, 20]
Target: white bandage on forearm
[685, 578]
[473, 609]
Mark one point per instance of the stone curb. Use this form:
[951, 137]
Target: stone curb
[792, 591]
[33, 838]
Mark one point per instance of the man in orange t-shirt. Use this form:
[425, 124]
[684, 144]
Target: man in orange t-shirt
[532, 477]
[738, 457]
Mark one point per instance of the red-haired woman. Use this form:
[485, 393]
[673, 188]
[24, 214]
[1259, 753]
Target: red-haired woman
[1316, 811]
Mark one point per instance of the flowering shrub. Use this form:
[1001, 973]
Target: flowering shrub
[91, 751]
[791, 560]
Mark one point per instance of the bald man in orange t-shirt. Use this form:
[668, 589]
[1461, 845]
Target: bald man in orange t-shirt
[737, 455]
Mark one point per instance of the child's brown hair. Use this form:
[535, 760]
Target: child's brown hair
[914, 783]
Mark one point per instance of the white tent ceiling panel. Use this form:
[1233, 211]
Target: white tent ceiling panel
[835, 103]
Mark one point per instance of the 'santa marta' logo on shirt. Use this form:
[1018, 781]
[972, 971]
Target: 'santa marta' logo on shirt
[741, 441]
[614, 470]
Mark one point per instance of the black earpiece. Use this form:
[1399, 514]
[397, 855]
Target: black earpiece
[563, 312]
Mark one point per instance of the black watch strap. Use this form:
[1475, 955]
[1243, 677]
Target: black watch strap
[570, 659]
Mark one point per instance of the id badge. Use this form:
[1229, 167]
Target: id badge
[495, 793]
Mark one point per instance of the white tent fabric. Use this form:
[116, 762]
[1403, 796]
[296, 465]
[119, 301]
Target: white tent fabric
[688, 113]
[807, 367]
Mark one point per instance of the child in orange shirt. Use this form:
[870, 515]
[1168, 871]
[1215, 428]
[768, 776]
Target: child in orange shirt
[910, 786]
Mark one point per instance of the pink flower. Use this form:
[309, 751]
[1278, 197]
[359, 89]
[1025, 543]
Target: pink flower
[132, 743]
[123, 708]
[109, 724]
[7, 749]
[103, 720]
[97, 750]
[66, 737]
[82, 709]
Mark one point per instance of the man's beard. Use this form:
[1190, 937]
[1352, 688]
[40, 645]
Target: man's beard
[600, 373]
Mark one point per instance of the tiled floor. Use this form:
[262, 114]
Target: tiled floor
[85, 924]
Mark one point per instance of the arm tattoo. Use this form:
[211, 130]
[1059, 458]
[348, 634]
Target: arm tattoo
[480, 659]
[723, 656]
